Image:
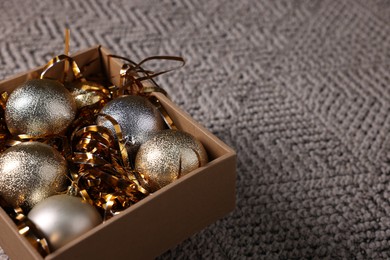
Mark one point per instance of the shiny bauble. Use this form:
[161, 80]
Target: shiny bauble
[30, 172]
[167, 156]
[39, 107]
[85, 93]
[62, 218]
[137, 117]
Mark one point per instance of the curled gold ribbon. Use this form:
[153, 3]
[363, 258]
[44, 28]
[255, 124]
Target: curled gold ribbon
[103, 174]
[3, 99]
[79, 81]
[27, 228]
[132, 75]
[99, 165]
[58, 59]
[167, 119]
[104, 177]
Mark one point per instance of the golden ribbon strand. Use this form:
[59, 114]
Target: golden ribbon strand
[99, 165]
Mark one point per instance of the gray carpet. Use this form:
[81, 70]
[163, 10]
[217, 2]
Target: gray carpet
[300, 89]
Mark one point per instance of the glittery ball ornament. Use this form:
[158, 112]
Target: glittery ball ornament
[39, 107]
[137, 117]
[167, 156]
[62, 218]
[31, 172]
[84, 94]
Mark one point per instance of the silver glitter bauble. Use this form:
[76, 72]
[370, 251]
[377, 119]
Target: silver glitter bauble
[39, 107]
[31, 172]
[62, 218]
[137, 117]
[168, 155]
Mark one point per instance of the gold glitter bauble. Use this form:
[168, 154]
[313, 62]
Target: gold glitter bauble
[62, 218]
[39, 107]
[137, 117]
[83, 93]
[31, 172]
[168, 155]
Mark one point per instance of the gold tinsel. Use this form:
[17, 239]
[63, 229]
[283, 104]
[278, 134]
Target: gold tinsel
[99, 168]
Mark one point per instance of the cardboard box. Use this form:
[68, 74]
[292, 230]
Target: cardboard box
[161, 220]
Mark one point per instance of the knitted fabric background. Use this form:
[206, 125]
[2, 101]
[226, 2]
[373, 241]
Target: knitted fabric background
[300, 89]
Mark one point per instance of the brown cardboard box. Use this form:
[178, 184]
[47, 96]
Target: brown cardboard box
[161, 220]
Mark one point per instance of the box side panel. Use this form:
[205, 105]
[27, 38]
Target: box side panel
[214, 146]
[111, 65]
[15, 246]
[170, 216]
[89, 61]
[158, 222]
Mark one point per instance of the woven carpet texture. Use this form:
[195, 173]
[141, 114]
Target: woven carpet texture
[300, 89]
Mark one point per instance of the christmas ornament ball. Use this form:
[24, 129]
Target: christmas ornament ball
[137, 117]
[168, 155]
[62, 218]
[85, 93]
[31, 172]
[39, 107]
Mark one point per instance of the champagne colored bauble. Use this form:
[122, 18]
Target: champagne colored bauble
[167, 156]
[31, 172]
[84, 94]
[62, 218]
[137, 117]
[39, 107]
